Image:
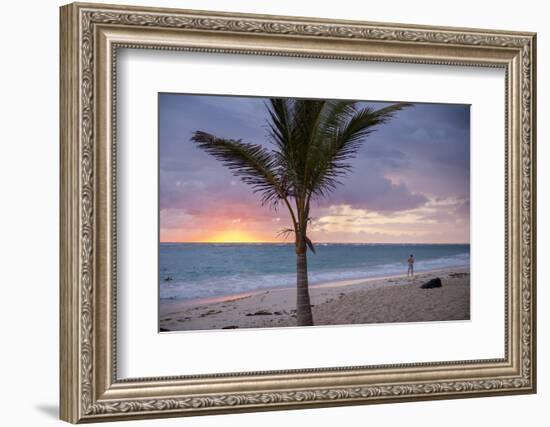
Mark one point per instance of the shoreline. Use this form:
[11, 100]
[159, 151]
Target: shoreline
[275, 307]
[329, 284]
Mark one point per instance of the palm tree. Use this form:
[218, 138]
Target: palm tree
[312, 140]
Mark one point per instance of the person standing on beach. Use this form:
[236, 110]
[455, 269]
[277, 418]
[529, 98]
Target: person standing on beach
[410, 271]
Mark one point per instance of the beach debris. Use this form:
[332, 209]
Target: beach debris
[168, 279]
[230, 327]
[260, 313]
[277, 313]
[432, 283]
[458, 275]
[210, 312]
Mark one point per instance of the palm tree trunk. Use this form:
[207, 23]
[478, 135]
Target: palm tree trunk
[304, 317]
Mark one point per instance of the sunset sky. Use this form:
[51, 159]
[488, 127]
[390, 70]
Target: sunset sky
[410, 183]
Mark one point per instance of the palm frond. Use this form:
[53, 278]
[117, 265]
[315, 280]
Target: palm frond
[279, 111]
[366, 120]
[293, 125]
[252, 163]
[285, 232]
[309, 244]
[342, 135]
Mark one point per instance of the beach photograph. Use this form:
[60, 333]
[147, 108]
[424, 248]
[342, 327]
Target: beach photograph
[290, 212]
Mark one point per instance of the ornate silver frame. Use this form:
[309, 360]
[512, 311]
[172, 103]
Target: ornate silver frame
[90, 36]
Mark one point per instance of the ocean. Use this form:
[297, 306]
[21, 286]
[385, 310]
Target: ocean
[189, 271]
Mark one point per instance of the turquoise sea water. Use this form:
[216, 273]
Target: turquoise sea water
[190, 271]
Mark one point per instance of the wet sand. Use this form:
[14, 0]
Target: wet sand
[381, 300]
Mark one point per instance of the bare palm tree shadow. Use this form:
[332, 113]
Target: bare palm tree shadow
[49, 409]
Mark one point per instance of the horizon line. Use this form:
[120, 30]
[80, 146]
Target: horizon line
[334, 243]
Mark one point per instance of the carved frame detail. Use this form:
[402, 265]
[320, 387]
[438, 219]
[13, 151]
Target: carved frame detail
[81, 397]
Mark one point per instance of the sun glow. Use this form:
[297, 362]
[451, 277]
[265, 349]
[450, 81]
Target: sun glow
[234, 236]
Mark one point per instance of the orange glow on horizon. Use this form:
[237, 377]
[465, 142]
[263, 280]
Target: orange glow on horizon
[233, 236]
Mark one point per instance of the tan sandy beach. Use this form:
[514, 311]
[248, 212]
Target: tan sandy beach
[382, 300]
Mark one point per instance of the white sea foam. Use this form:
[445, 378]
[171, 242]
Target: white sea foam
[210, 270]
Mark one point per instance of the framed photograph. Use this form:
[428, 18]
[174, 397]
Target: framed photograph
[311, 236]
[266, 212]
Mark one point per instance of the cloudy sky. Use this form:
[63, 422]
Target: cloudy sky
[410, 183]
